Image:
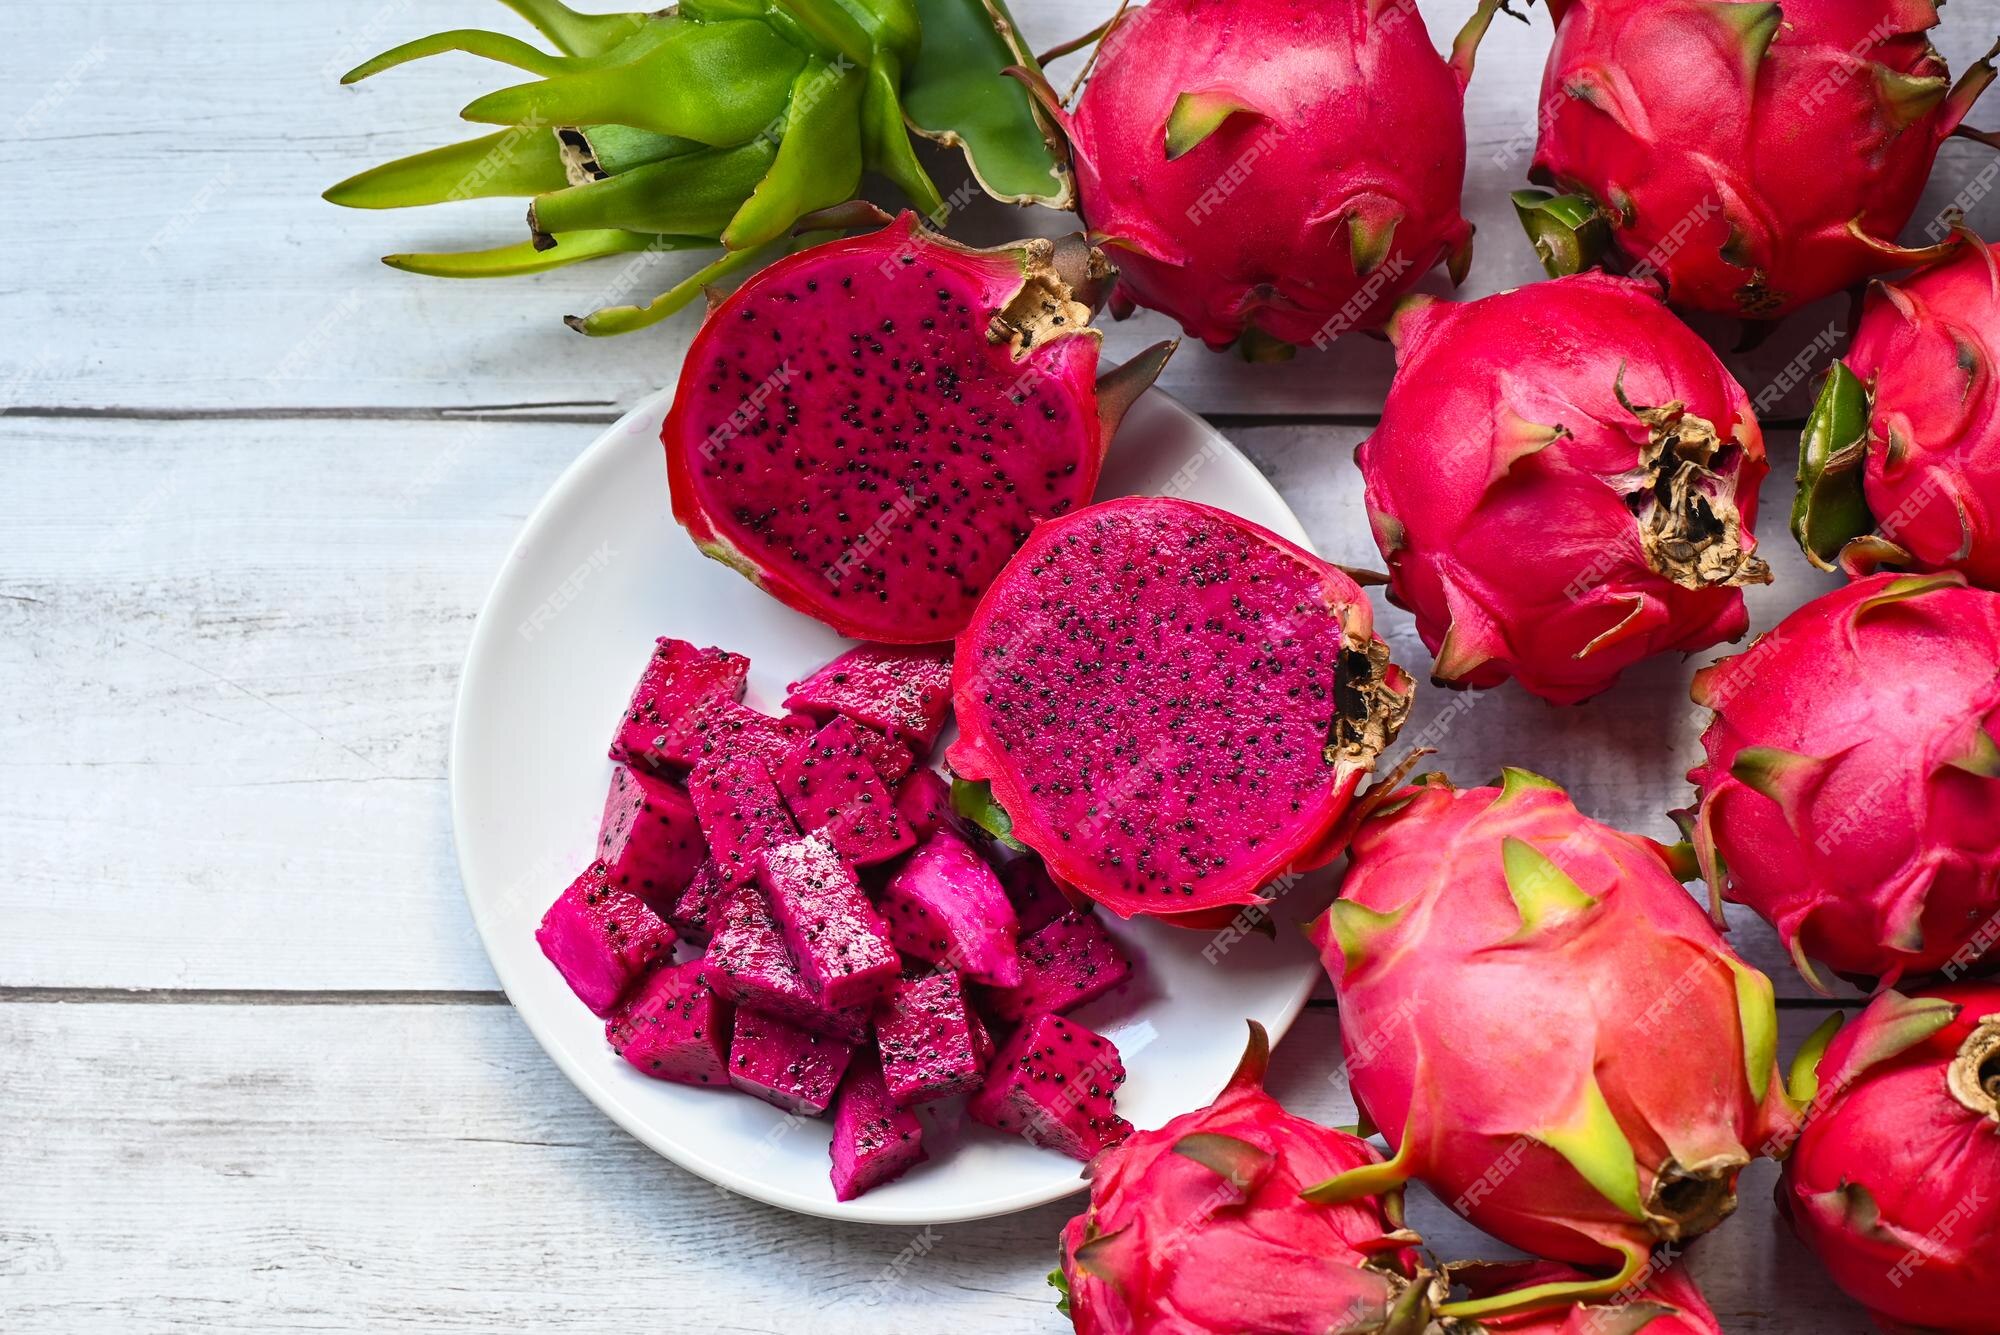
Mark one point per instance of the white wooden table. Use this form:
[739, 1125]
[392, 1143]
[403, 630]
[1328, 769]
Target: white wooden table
[255, 1073]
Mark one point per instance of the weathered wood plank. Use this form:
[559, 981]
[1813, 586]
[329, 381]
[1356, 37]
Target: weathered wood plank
[182, 256]
[233, 652]
[226, 1168]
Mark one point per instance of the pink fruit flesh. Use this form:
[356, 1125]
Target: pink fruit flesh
[931, 1042]
[841, 946]
[740, 813]
[870, 427]
[675, 1027]
[923, 800]
[752, 965]
[903, 691]
[1037, 899]
[831, 784]
[678, 680]
[874, 1141]
[1067, 962]
[944, 905]
[1538, 527]
[784, 1065]
[649, 841]
[1173, 705]
[698, 909]
[1053, 1084]
[602, 938]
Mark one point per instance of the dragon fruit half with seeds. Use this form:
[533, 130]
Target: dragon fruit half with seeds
[1892, 1183]
[1172, 705]
[1274, 171]
[1547, 1029]
[1199, 1227]
[869, 428]
[1563, 483]
[1756, 156]
[1850, 786]
[1900, 462]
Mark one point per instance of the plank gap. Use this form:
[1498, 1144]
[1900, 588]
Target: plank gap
[225, 996]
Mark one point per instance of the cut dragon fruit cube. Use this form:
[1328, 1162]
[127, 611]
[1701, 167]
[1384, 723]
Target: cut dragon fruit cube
[698, 910]
[1037, 899]
[602, 938]
[649, 841]
[740, 813]
[1068, 962]
[675, 1027]
[929, 1039]
[1053, 1085]
[874, 1141]
[785, 1065]
[945, 906]
[904, 690]
[679, 679]
[840, 945]
[830, 784]
[753, 965]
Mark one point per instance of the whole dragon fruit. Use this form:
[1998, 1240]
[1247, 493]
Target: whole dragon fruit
[1892, 1181]
[1754, 159]
[1563, 483]
[1199, 1227]
[1273, 170]
[1850, 788]
[869, 429]
[1665, 1301]
[1548, 1030]
[1900, 464]
[1172, 705]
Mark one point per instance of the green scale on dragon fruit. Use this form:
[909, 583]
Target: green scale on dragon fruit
[836, 938]
[740, 812]
[931, 1041]
[904, 691]
[601, 938]
[874, 1141]
[698, 909]
[753, 966]
[649, 841]
[1069, 961]
[675, 1027]
[945, 906]
[784, 1065]
[1053, 1085]
[831, 784]
[679, 680]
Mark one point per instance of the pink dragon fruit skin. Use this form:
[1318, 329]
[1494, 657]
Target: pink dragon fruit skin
[752, 965]
[1901, 462]
[1147, 660]
[831, 784]
[931, 1042]
[1755, 161]
[1198, 1228]
[602, 938]
[784, 1065]
[834, 934]
[1053, 1084]
[1665, 1301]
[868, 428]
[740, 814]
[676, 1026]
[679, 680]
[1546, 1027]
[874, 1141]
[650, 841]
[1850, 786]
[1563, 483]
[944, 905]
[903, 690]
[1277, 168]
[1068, 961]
[1892, 1181]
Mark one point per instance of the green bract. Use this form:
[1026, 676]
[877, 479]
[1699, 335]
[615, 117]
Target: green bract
[716, 123]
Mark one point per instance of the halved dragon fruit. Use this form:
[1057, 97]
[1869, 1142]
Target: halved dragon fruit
[1069, 961]
[740, 812]
[678, 680]
[904, 691]
[649, 841]
[602, 938]
[1053, 1085]
[675, 1027]
[831, 784]
[753, 965]
[874, 1141]
[784, 1065]
[869, 428]
[698, 909]
[1173, 705]
[839, 943]
[932, 1043]
[945, 906]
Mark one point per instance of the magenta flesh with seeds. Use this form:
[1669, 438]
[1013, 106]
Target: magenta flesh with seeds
[678, 680]
[831, 784]
[932, 1044]
[740, 812]
[874, 1141]
[754, 966]
[1069, 961]
[904, 691]
[675, 1026]
[602, 938]
[836, 938]
[1053, 1085]
[649, 840]
[784, 1065]
[945, 906]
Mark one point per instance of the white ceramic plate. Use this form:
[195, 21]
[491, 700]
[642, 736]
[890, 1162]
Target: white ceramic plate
[599, 571]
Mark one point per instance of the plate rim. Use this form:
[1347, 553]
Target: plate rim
[600, 1094]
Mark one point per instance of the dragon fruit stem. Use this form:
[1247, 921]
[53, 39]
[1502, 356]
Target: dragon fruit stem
[574, 33]
[1974, 1075]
